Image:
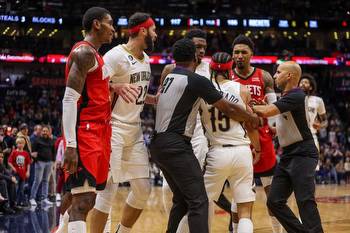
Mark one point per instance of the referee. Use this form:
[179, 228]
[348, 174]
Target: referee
[171, 148]
[296, 170]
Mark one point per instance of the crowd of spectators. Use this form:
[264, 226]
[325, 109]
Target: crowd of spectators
[267, 43]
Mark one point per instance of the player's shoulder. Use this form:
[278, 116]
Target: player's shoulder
[115, 52]
[83, 53]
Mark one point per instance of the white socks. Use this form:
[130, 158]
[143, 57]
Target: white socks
[234, 227]
[77, 227]
[63, 226]
[245, 225]
[122, 229]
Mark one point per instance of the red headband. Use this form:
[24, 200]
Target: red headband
[221, 66]
[148, 23]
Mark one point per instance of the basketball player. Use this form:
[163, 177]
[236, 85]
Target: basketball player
[316, 109]
[260, 85]
[170, 147]
[87, 135]
[128, 63]
[229, 157]
[198, 141]
[85, 95]
[296, 170]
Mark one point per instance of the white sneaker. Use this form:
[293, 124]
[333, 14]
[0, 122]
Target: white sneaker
[46, 202]
[33, 202]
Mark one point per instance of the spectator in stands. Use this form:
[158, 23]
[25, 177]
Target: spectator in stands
[19, 162]
[7, 188]
[330, 171]
[23, 133]
[340, 171]
[9, 139]
[347, 169]
[44, 148]
[36, 133]
[59, 167]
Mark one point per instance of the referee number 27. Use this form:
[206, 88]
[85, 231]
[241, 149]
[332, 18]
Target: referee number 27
[166, 84]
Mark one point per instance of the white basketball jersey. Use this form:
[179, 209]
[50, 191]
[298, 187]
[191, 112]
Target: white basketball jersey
[220, 129]
[203, 69]
[198, 134]
[315, 107]
[125, 68]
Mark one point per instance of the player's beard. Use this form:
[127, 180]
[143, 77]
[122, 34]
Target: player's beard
[149, 43]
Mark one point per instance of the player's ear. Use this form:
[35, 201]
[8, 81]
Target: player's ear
[96, 23]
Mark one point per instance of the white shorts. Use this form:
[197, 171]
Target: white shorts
[316, 141]
[200, 149]
[129, 158]
[234, 164]
[199, 142]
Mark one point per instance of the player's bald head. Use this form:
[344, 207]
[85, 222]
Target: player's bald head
[293, 68]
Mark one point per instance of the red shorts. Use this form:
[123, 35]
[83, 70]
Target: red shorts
[267, 156]
[94, 149]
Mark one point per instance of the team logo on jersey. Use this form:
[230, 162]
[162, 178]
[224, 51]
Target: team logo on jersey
[131, 58]
[254, 90]
[140, 76]
[310, 109]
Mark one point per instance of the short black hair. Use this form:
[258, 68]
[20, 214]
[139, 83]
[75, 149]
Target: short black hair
[136, 19]
[184, 50]
[91, 14]
[312, 81]
[196, 33]
[242, 39]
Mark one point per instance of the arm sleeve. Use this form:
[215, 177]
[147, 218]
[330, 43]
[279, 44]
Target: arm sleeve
[204, 89]
[321, 108]
[69, 113]
[116, 63]
[290, 102]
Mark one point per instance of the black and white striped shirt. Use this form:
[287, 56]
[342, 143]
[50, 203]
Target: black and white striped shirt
[178, 103]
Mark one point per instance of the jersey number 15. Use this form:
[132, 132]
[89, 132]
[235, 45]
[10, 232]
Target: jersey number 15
[219, 120]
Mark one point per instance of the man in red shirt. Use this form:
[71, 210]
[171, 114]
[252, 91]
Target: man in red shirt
[19, 161]
[261, 86]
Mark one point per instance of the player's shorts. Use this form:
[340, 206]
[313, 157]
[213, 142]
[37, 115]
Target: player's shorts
[94, 148]
[129, 158]
[267, 162]
[235, 164]
[316, 141]
[200, 148]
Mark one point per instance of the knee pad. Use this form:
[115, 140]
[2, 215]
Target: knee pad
[104, 198]
[140, 191]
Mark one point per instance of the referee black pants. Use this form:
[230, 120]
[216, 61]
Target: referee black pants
[295, 174]
[174, 155]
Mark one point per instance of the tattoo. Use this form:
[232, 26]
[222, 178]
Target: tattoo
[268, 82]
[82, 59]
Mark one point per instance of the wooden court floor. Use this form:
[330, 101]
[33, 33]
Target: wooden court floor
[333, 203]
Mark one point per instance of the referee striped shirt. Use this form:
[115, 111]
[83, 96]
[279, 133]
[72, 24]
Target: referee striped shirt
[178, 103]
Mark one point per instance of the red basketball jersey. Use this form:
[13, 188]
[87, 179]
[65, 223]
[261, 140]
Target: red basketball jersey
[255, 84]
[94, 103]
